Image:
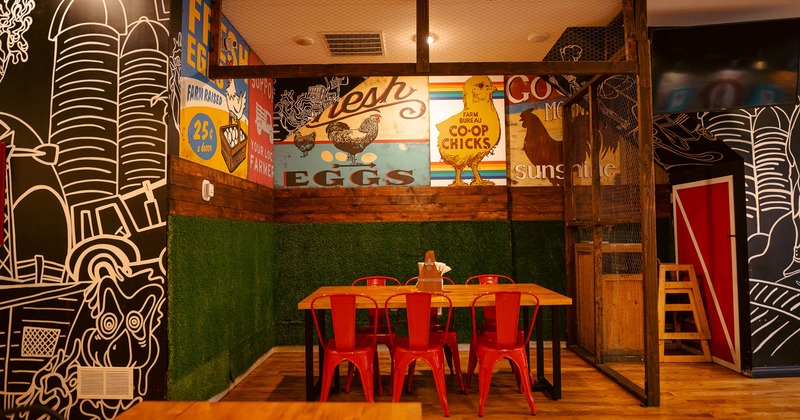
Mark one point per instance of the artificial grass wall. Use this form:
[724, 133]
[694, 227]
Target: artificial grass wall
[221, 302]
[314, 255]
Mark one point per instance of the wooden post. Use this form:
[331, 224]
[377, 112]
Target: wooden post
[648, 203]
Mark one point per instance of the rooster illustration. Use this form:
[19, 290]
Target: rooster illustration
[305, 142]
[236, 102]
[539, 147]
[353, 141]
[468, 136]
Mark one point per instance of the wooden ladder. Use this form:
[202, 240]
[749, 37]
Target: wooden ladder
[682, 285]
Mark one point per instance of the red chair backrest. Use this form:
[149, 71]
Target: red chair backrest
[489, 279]
[506, 306]
[413, 280]
[488, 313]
[343, 318]
[418, 310]
[376, 281]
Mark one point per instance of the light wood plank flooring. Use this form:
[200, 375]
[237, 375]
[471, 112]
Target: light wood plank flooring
[688, 390]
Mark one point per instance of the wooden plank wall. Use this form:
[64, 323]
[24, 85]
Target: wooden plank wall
[234, 198]
[239, 199]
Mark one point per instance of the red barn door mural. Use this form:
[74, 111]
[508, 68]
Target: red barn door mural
[704, 237]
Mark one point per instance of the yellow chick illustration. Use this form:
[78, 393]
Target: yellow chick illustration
[468, 136]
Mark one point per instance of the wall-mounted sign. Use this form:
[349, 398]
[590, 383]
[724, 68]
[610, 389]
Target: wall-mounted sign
[468, 145]
[373, 135]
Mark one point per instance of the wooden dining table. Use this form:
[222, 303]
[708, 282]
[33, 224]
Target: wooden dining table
[462, 296]
[289, 410]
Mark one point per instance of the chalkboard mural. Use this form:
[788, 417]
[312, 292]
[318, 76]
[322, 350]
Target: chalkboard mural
[768, 139]
[87, 110]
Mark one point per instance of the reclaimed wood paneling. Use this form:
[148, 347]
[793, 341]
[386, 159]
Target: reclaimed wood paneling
[234, 198]
[390, 204]
[239, 199]
[536, 203]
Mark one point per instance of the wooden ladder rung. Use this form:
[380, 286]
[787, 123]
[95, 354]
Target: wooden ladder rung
[678, 307]
[691, 335]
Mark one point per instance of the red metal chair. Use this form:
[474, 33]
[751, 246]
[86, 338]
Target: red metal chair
[503, 344]
[381, 332]
[345, 345]
[450, 341]
[488, 325]
[420, 343]
[488, 313]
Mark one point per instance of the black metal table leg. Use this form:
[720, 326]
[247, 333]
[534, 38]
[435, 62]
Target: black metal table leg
[556, 318]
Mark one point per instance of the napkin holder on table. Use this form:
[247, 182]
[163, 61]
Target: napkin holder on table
[430, 274]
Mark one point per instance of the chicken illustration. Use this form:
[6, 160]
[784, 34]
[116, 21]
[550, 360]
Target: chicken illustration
[305, 142]
[236, 102]
[353, 141]
[539, 147]
[468, 136]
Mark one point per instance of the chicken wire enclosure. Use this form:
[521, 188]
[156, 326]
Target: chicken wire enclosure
[618, 143]
[603, 211]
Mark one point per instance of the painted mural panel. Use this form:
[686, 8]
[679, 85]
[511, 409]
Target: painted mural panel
[214, 113]
[467, 131]
[768, 139]
[533, 121]
[86, 115]
[260, 162]
[535, 137]
[376, 134]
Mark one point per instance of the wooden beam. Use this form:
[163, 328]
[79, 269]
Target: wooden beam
[213, 42]
[584, 89]
[423, 31]
[648, 203]
[217, 71]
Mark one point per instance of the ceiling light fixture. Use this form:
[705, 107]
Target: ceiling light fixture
[538, 36]
[303, 40]
[431, 38]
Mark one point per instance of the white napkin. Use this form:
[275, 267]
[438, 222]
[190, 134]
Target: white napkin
[440, 267]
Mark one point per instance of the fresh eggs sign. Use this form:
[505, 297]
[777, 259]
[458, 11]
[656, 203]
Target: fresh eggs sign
[373, 135]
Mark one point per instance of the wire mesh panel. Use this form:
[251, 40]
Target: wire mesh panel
[619, 151]
[579, 163]
[606, 218]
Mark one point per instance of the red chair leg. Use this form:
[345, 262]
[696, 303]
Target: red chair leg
[327, 376]
[471, 363]
[399, 365]
[452, 346]
[350, 372]
[519, 360]
[411, 368]
[366, 382]
[484, 381]
[448, 357]
[441, 387]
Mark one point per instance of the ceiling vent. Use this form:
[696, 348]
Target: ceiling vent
[353, 44]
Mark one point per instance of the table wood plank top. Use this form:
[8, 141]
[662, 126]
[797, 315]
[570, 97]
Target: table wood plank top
[461, 295]
[272, 410]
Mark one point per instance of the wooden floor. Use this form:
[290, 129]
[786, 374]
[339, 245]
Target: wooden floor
[688, 390]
